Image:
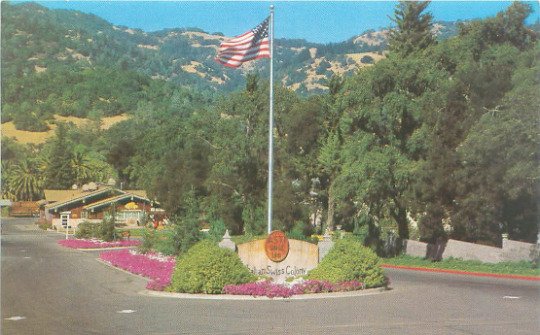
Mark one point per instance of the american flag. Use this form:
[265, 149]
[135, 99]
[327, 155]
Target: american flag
[251, 45]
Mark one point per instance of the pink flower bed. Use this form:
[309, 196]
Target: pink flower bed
[153, 266]
[90, 244]
[272, 290]
[160, 268]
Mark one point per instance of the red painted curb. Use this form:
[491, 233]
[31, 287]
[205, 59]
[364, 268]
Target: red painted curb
[460, 272]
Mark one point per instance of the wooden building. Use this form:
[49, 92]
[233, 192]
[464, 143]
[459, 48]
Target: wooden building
[94, 204]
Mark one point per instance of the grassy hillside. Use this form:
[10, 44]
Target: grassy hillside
[63, 62]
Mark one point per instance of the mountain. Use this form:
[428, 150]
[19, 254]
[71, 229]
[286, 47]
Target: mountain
[71, 63]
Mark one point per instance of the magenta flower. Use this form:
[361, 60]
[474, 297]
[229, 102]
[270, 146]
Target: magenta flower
[156, 267]
[91, 244]
[271, 290]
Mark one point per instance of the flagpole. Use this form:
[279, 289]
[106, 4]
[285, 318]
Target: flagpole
[271, 122]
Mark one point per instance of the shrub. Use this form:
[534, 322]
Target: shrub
[148, 240]
[302, 231]
[185, 233]
[44, 224]
[348, 260]
[367, 60]
[106, 229]
[88, 230]
[323, 66]
[535, 256]
[217, 230]
[186, 224]
[29, 120]
[207, 268]
[164, 243]
[296, 235]
[103, 230]
[240, 239]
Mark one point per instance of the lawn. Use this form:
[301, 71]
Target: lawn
[133, 232]
[522, 268]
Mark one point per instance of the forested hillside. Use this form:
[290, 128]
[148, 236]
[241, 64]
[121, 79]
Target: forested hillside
[82, 65]
[437, 139]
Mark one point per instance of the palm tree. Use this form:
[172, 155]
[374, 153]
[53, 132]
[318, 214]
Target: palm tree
[25, 181]
[6, 192]
[81, 167]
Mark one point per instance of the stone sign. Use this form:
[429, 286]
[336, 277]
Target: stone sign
[301, 257]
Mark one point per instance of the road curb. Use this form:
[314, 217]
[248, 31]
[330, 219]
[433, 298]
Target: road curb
[122, 270]
[313, 296]
[461, 272]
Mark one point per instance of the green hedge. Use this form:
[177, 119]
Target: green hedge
[206, 268]
[103, 230]
[88, 229]
[349, 260]
[157, 240]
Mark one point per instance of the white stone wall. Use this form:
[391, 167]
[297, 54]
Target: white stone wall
[473, 252]
[517, 251]
[511, 251]
[415, 248]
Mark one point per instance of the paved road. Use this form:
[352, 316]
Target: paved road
[47, 289]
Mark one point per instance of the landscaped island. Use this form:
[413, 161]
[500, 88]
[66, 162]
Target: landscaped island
[209, 269]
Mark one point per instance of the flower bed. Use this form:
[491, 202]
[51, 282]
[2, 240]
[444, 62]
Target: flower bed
[160, 268]
[271, 290]
[90, 244]
[156, 267]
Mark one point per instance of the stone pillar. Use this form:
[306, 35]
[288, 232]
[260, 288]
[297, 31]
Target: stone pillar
[227, 242]
[325, 245]
[504, 240]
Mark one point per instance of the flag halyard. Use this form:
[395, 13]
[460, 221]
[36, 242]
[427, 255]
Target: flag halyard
[251, 45]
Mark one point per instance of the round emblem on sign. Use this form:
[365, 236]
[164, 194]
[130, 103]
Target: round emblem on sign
[277, 246]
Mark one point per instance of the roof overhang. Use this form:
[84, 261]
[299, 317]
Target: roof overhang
[116, 199]
[66, 203]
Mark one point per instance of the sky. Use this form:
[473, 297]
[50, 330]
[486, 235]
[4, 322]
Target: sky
[314, 21]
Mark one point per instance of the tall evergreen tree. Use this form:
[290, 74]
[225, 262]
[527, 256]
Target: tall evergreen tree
[185, 225]
[413, 31]
[59, 174]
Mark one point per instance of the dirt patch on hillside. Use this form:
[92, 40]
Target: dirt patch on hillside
[358, 56]
[205, 36]
[192, 68]
[148, 46]
[23, 136]
[39, 69]
[373, 38]
[31, 137]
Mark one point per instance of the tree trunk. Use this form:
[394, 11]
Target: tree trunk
[331, 207]
[403, 226]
